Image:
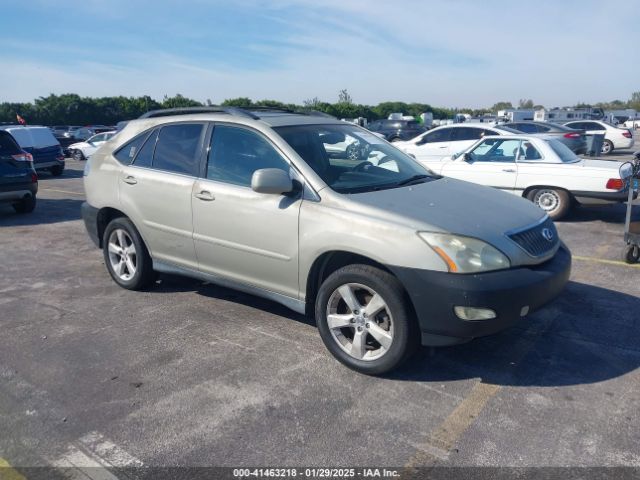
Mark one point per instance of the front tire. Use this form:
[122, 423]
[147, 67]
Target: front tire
[78, 155]
[26, 205]
[364, 319]
[126, 256]
[607, 147]
[555, 202]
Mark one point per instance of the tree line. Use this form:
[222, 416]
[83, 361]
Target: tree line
[72, 109]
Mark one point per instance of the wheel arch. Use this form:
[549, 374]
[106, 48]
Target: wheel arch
[105, 215]
[529, 189]
[329, 262]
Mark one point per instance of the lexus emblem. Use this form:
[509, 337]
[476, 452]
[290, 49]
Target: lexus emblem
[547, 234]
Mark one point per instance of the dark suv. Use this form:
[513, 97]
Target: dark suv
[396, 130]
[18, 179]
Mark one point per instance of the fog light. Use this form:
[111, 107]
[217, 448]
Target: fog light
[524, 310]
[471, 313]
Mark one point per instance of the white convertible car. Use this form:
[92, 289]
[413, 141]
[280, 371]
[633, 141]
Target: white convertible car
[539, 168]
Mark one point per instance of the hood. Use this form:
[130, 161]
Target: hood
[455, 206]
[78, 145]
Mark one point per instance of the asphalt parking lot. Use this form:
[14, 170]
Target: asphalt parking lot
[190, 374]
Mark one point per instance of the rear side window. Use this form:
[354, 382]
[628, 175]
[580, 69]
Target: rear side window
[8, 145]
[177, 148]
[126, 154]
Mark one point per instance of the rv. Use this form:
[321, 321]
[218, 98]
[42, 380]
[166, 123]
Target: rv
[568, 114]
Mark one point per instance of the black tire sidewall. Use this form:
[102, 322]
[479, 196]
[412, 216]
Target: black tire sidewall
[390, 289]
[143, 260]
[607, 142]
[26, 205]
[563, 208]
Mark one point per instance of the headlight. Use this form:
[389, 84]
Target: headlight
[465, 254]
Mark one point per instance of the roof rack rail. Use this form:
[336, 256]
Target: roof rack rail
[241, 111]
[165, 112]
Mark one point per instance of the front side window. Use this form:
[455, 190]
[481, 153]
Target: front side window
[496, 150]
[352, 160]
[236, 153]
[466, 133]
[436, 136]
[526, 127]
[177, 148]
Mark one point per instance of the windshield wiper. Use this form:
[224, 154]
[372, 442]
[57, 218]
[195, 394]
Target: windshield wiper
[412, 179]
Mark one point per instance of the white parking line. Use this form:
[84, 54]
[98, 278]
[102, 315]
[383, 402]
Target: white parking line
[92, 456]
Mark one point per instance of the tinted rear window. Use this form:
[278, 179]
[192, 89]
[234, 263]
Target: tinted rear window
[8, 145]
[565, 154]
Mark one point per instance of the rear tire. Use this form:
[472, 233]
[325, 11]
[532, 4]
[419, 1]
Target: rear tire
[57, 170]
[555, 202]
[126, 256]
[607, 147]
[631, 253]
[386, 328]
[26, 205]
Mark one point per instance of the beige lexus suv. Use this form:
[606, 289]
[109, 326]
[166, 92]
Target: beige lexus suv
[326, 218]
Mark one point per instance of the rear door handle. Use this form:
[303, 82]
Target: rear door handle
[205, 195]
[130, 180]
[509, 170]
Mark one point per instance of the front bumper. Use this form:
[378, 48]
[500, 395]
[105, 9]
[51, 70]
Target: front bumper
[507, 292]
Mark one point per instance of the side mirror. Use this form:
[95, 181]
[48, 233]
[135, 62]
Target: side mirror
[626, 170]
[466, 157]
[271, 181]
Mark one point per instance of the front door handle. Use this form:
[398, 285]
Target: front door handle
[509, 170]
[205, 195]
[130, 180]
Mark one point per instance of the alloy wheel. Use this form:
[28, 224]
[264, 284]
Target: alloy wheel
[360, 321]
[122, 254]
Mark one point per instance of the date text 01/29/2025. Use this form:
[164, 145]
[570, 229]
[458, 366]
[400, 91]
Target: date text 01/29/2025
[315, 473]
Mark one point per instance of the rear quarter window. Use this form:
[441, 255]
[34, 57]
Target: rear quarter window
[42, 137]
[129, 150]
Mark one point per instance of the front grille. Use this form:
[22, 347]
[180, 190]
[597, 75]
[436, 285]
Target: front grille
[539, 240]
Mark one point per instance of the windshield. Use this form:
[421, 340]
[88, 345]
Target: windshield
[352, 160]
[564, 153]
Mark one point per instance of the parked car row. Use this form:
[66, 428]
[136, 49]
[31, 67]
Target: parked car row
[18, 179]
[572, 134]
[383, 252]
[39, 142]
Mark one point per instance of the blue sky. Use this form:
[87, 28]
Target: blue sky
[446, 53]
